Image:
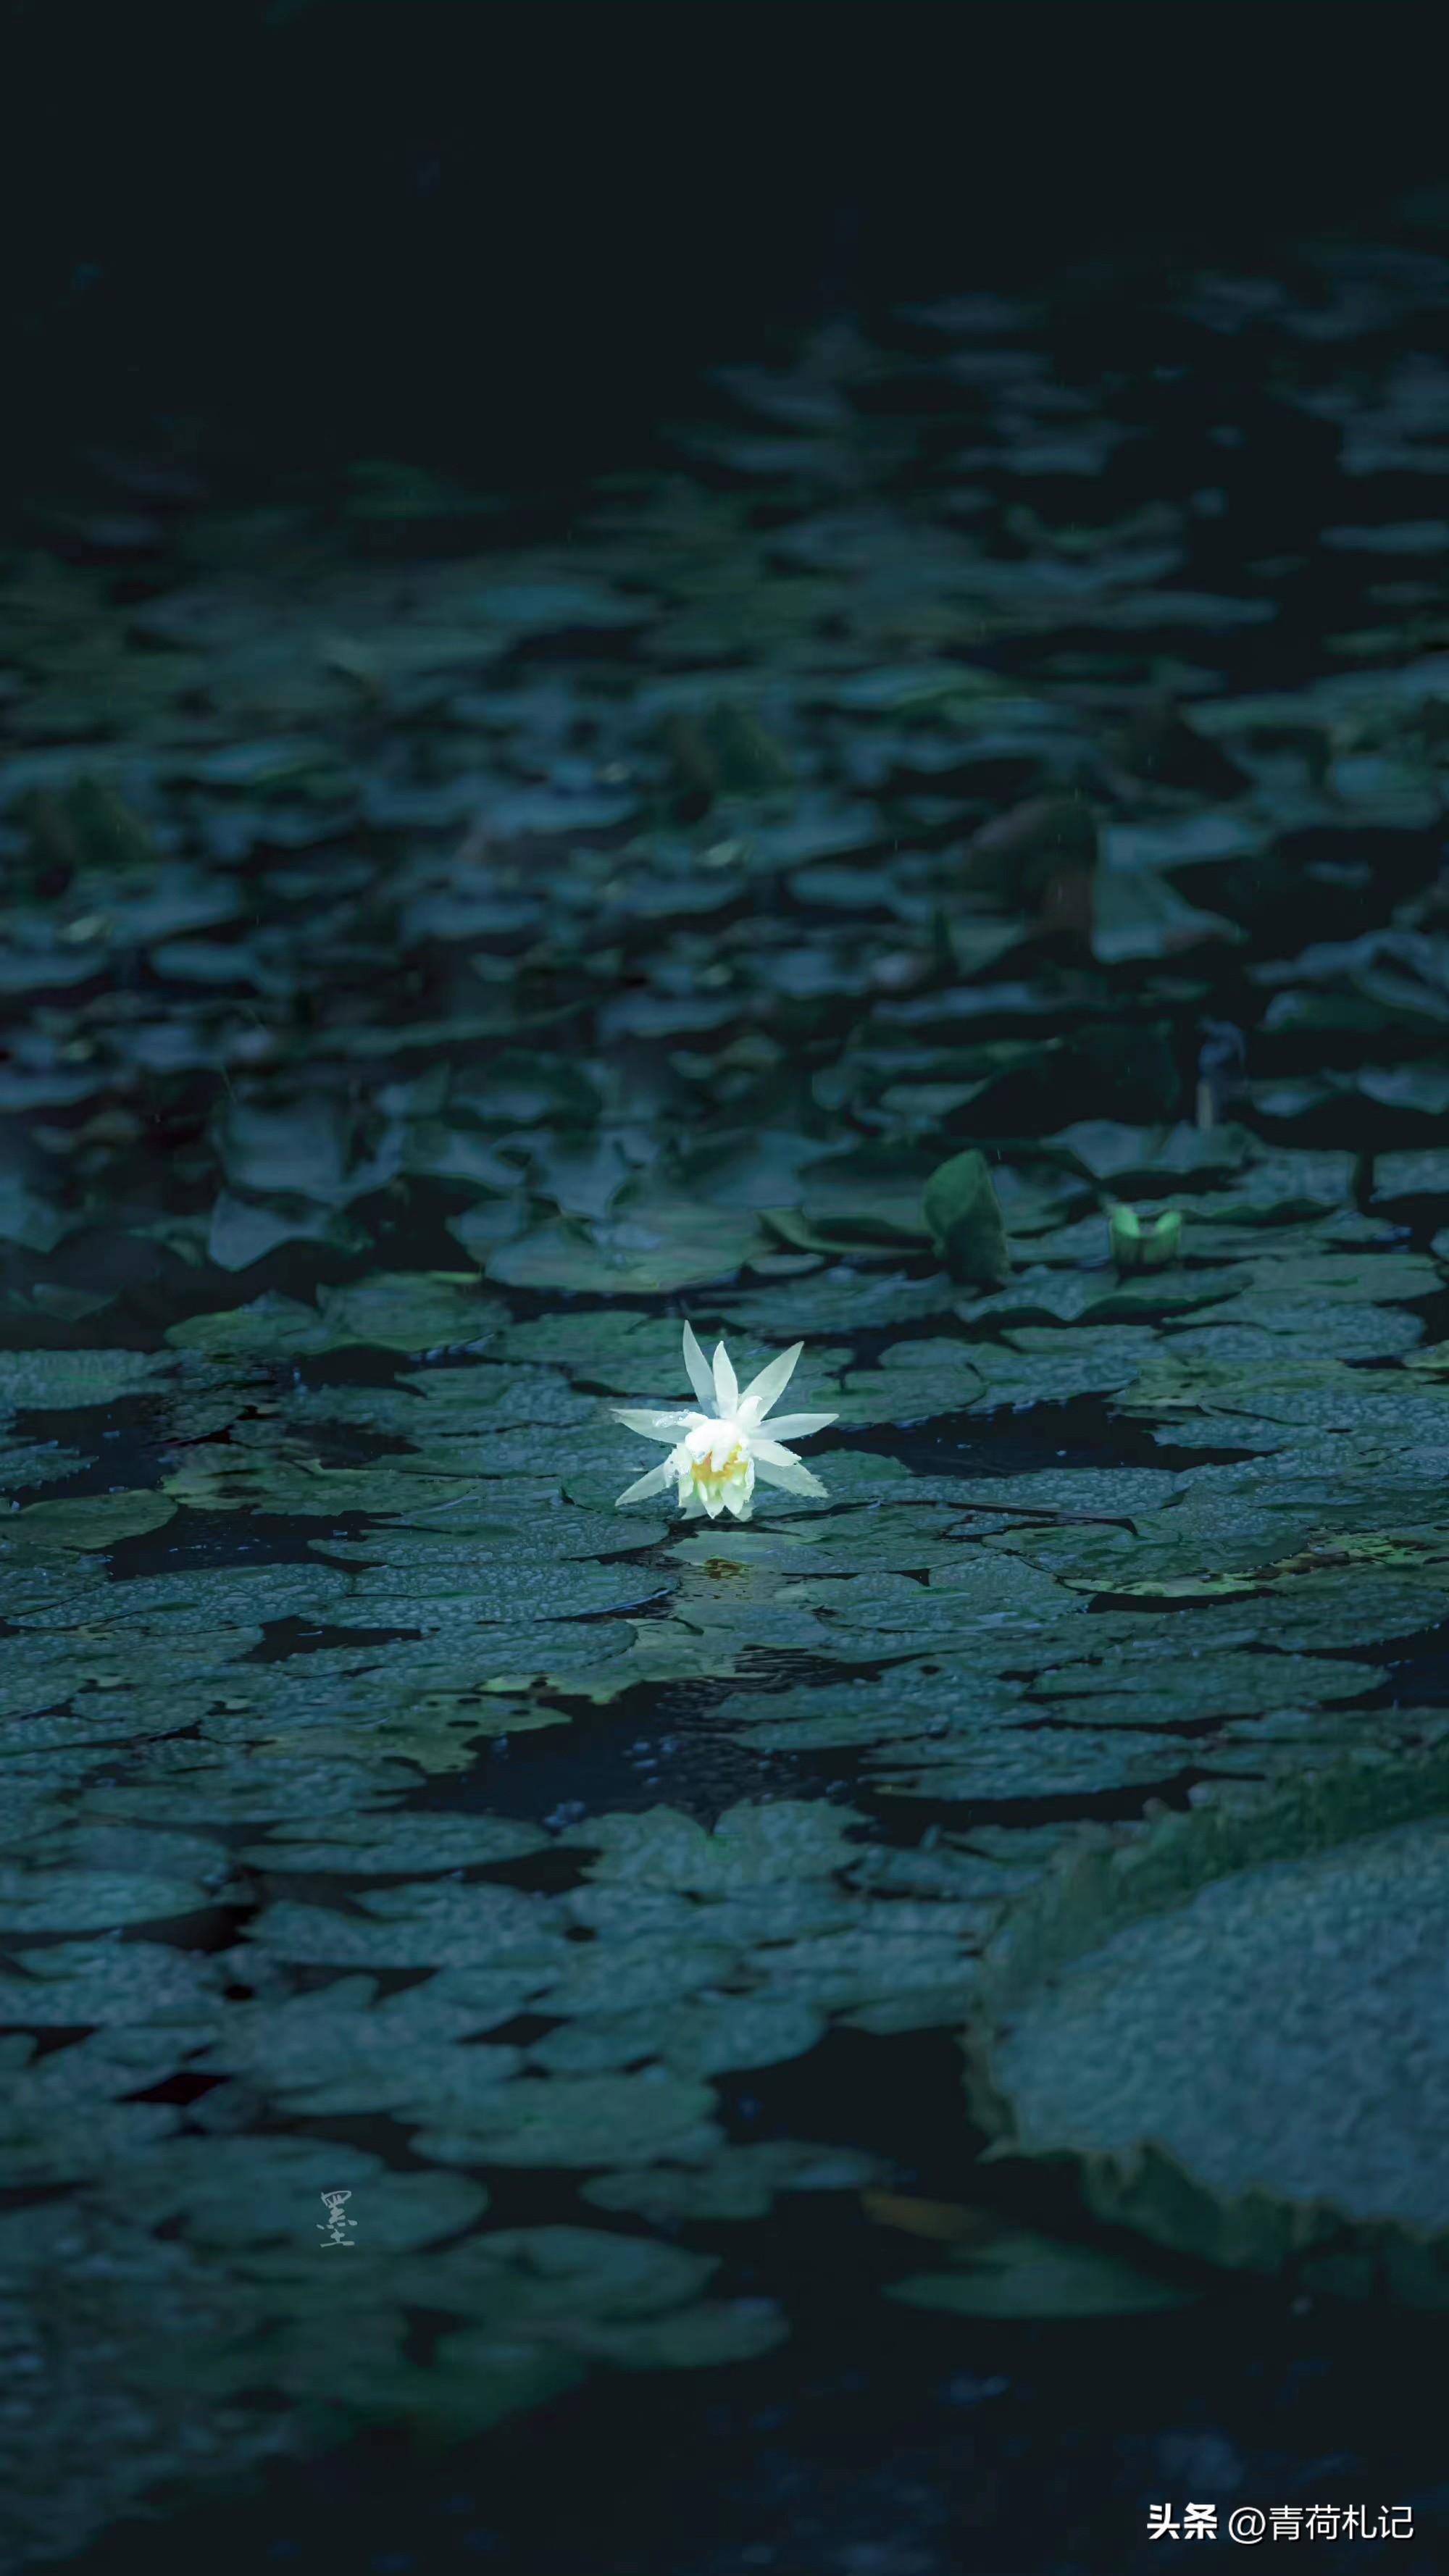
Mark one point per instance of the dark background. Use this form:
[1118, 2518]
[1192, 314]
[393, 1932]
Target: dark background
[499, 234]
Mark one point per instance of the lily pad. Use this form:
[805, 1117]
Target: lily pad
[650, 1247]
[73, 1381]
[1013, 2272]
[92, 1520]
[1107, 1988]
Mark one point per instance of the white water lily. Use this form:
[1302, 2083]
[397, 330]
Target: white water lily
[715, 1456]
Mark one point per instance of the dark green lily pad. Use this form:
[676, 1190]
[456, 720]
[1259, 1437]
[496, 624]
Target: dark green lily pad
[736, 2182]
[651, 1247]
[1016, 2273]
[1137, 1957]
[72, 1381]
[220, 2198]
[748, 1847]
[364, 1846]
[92, 1520]
[60, 1984]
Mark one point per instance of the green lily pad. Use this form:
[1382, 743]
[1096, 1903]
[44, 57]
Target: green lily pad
[1136, 914]
[425, 1924]
[569, 2121]
[749, 1846]
[64, 2115]
[92, 1520]
[60, 1984]
[364, 1846]
[37, 1462]
[57, 1899]
[736, 2182]
[1105, 1989]
[253, 2191]
[402, 1311]
[727, 2033]
[73, 1381]
[1013, 2272]
[653, 1247]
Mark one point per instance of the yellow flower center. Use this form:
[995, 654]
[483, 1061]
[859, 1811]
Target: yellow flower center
[706, 1472]
[712, 1456]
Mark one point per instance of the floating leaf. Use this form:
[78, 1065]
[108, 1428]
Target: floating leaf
[1017, 2273]
[93, 1520]
[1108, 1989]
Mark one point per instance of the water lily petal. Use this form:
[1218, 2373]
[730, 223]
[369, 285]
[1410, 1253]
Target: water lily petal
[765, 1390]
[653, 1483]
[726, 1384]
[698, 1367]
[793, 1479]
[654, 1426]
[772, 1450]
[795, 1426]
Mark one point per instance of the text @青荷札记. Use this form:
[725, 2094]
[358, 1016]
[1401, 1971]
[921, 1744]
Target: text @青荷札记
[1248, 2523]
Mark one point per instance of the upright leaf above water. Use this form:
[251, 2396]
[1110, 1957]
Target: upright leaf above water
[965, 1220]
